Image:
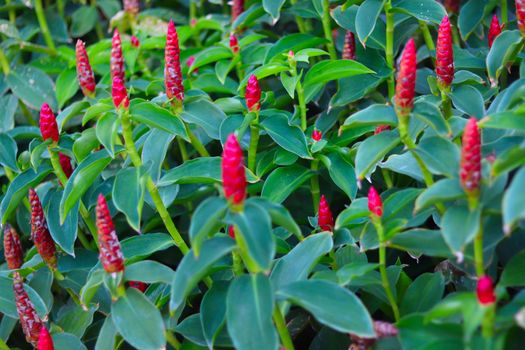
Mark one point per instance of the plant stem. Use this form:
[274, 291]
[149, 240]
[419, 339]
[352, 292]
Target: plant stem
[478, 251]
[254, 141]
[43, 25]
[3, 345]
[172, 340]
[280, 322]
[30, 47]
[504, 12]
[299, 20]
[387, 177]
[182, 148]
[12, 13]
[428, 38]
[4, 63]
[60, 6]
[302, 105]
[389, 48]
[314, 184]
[196, 143]
[328, 30]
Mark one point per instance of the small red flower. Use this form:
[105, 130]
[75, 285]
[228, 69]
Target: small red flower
[380, 128]
[231, 231]
[325, 220]
[135, 42]
[40, 232]
[234, 43]
[48, 123]
[444, 55]
[485, 291]
[452, 6]
[13, 253]
[29, 319]
[494, 30]
[237, 9]
[44, 340]
[349, 46]
[132, 7]
[253, 94]
[172, 71]
[406, 80]
[317, 135]
[119, 93]
[470, 166]
[85, 76]
[520, 15]
[117, 59]
[190, 61]
[233, 172]
[110, 252]
[138, 285]
[65, 163]
[375, 205]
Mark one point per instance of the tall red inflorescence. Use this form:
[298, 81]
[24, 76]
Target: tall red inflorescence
[237, 9]
[172, 70]
[48, 123]
[406, 80]
[349, 46]
[494, 30]
[375, 204]
[325, 219]
[520, 15]
[44, 340]
[119, 93]
[85, 76]
[117, 59]
[253, 94]
[13, 253]
[470, 166]
[40, 232]
[485, 291]
[29, 319]
[444, 55]
[233, 172]
[111, 255]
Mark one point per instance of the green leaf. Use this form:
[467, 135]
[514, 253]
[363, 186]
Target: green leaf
[83, 20]
[325, 300]
[8, 150]
[468, 100]
[372, 150]
[7, 299]
[106, 337]
[504, 49]
[206, 220]
[32, 86]
[67, 341]
[138, 247]
[504, 120]
[418, 242]
[192, 269]
[512, 275]
[431, 115]
[66, 86]
[96, 110]
[289, 137]
[74, 319]
[273, 8]
[514, 201]
[128, 194]
[82, 178]
[354, 270]
[341, 172]
[424, 10]
[64, 235]
[130, 308]
[250, 297]
[106, 131]
[85, 144]
[210, 55]
[204, 114]
[508, 160]
[440, 155]
[471, 15]
[264, 71]
[422, 294]
[441, 191]
[357, 212]
[366, 18]
[283, 181]
[213, 311]
[191, 329]
[148, 271]
[460, 226]
[294, 42]
[375, 114]
[327, 70]
[154, 151]
[157, 117]
[279, 215]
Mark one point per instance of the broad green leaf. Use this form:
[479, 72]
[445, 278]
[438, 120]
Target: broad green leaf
[157, 117]
[106, 337]
[273, 8]
[7, 299]
[325, 300]
[504, 120]
[138, 247]
[8, 107]
[289, 137]
[514, 201]
[154, 151]
[424, 10]
[468, 100]
[353, 270]
[294, 42]
[366, 18]
[459, 226]
[66, 86]
[441, 191]
[356, 213]
[283, 181]
[8, 150]
[325, 71]
[250, 297]
[372, 150]
[83, 20]
[204, 114]
[512, 275]
[75, 109]
[148, 271]
[85, 144]
[440, 155]
[206, 220]
[128, 194]
[210, 55]
[191, 329]
[375, 114]
[422, 242]
[97, 110]
[431, 115]
[67, 341]
[508, 160]
[279, 214]
[213, 311]
[106, 131]
[504, 49]
[341, 172]
[32, 86]
[404, 163]
[422, 294]
[264, 71]
[74, 319]
[142, 335]
[64, 235]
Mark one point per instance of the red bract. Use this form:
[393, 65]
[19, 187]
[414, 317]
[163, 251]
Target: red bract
[325, 220]
[237, 9]
[406, 80]
[12, 248]
[29, 319]
[44, 340]
[231, 231]
[317, 135]
[138, 285]
[65, 163]
[119, 93]
[380, 128]
[233, 172]
[452, 6]
[131, 6]
[349, 46]
[40, 233]
[48, 123]
[172, 72]
[234, 43]
[494, 30]
[110, 252]
[85, 76]
[253, 94]
[444, 55]
[117, 60]
[190, 61]
[135, 42]
[470, 167]
[520, 15]
[485, 291]
[375, 204]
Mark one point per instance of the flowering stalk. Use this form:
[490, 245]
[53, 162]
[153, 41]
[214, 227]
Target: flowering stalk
[325, 219]
[375, 206]
[234, 46]
[494, 30]
[44, 28]
[233, 173]
[44, 340]
[13, 253]
[86, 78]
[65, 164]
[29, 319]
[298, 88]
[253, 97]
[487, 299]
[349, 46]
[40, 232]
[116, 64]
[110, 251]
[452, 6]
[328, 30]
[119, 93]
[389, 46]
[520, 15]
[445, 64]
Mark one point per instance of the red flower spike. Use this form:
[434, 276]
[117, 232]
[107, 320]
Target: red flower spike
[317, 135]
[444, 54]
[253, 94]
[470, 166]
[494, 30]
[520, 15]
[135, 42]
[29, 319]
[380, 128]
[325, 220]
[375, 205]
[485, 291]
[172, 71]
[406, 80]
[349, 46]
[231, 231]
[138, 285]
[65, 163]
[132, 7]
[237, 9]
[452, 6]
[234, 44]
[110, 252]
[117, 59]
[13, 253]
[119, 93]
[44, 340]
[85, 76]
[40, 233]
[48, 123]
[233, 172]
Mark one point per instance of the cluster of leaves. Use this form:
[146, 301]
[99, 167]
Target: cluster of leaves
[396, 270]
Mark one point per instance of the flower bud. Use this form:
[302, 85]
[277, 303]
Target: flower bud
[444, 55]
[119, 93]
[234, 43]
[132, 7]
[237, 9]
[65, 163]
[117, 59]
[406, 80]
[375, 205]
[29, 319]
[470, 165]
[110, 252]
[13, 253]
[138, 285]
[325, 220]
[349, 46]
[233, 172]
[494, 30]
[172, 71]
[520, 15]
[317, 135]
[135, 42]
[40, 232]
[380, 128]
[253, 94]
[452, 6]
[85, 76]
[231, 231]
[44, 340]
[485, 291]
[48, 123]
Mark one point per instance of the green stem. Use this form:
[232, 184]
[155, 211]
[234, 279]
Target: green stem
[299, 20]
[487, 324]
[238, 268]
[3, 345]
[280, 322]
[455, 35]
[387, 177]
[182, 148]
[389, 48]
[478, 251]
[254, 141]
[4, 63]
[328, 30]
[30, 47]
[12, 13]
[428, 38]
[43, 25]
[314, 184]
[172, 340]
[60, 6]
[196, 143]
[302, 105]
[27, 113]
[239, 70]
[504, 12]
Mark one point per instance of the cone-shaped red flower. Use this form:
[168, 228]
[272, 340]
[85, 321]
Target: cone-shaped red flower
[349, 46]
[135, 42]
[40, 233]
[452, 6]
[132, 7]
[48, 123]
[233, 172]
[444, 55]
[406, 80]
[119, 93]
[325, 220]
[117, 59]
[485, 291]
[110, 252]
[375, 204]
[13, 253]
[520, 15]
[253, 94]
[29, 319]
[470, 166]
[86, 78]
[231, 231]
[494, 30]
[317, 135]
[380, 128]
[234, 43]
[172, 72]
[138, 285]
[44, 340]
[237, 9]
[65, 163]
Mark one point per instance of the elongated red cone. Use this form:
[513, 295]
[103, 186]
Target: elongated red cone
[253, 94]
[444, 55]
[349, 46]
[172, 71]
[237, 9]
[117, 59]
[494, 30]
[470, 166]
[119, 93]
[110, 251]
[12, 248]
[485, 291]
[406, 80]
[375, 204]
[231, 231]
[44, 340]
[65, 163]
[40, 233]
[29, 319]
[86, 78]
[233, 172]
[520, 15]
[48, 123]
[325, 219]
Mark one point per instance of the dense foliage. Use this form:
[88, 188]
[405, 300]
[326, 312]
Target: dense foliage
[263, 174]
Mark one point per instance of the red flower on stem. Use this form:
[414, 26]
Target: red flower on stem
[13, 253]
[138, 285]
[40, 232]
[117, 59]
[135, 42]
[520, 15]
[237, 9]
[234, 43]
[48, 123]
[317, 135]
[233, 172]
[494, 30]
[110, 251]
[65, 163]
[406, 80]
[470, 165]
[375, 204]
[485, 291]
[172, 71]
[253, 94]
[349, 46]
[86, 78]
[325, 220]
[444, 55]
[231, 231]
[380, 128]
[29, 319]
[119, 93]
[44, 340]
